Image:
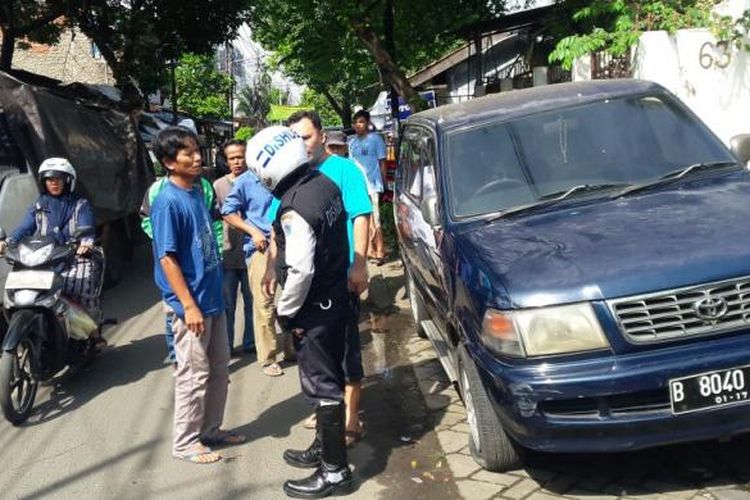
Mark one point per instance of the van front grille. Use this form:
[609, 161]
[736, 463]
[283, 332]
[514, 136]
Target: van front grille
[698, 310]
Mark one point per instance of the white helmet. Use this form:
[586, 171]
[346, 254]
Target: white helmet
[54, 167]
[274, 153]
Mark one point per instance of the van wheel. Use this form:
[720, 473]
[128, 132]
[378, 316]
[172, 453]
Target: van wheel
[490, 445]
[417, 308]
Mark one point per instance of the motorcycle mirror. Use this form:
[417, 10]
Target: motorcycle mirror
[82, 231]
[3, 234]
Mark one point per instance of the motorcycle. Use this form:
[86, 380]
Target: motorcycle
[46, 331]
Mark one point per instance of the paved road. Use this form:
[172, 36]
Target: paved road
[105, 432]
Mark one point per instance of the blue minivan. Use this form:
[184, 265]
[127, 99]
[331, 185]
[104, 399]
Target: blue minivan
[579, 256]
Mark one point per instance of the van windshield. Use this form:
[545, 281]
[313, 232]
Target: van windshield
[622, 141]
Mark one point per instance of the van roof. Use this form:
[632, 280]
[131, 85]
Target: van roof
[517, 103]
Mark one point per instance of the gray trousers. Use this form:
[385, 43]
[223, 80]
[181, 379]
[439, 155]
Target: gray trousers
[201, 382]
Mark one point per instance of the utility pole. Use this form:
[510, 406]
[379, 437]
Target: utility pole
[230, 70]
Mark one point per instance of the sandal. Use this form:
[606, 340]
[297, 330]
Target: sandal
[311, 422]
[201, 456]
[225, 438]
[100, 344]
[273, 370]
[353, 437]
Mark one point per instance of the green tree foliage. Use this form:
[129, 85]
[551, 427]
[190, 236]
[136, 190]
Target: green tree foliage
[255, 99]
[244, 133]
[201, 89]
[342, 47]
[279, 96]
[138, 37]
[314, 100]
[585, 26]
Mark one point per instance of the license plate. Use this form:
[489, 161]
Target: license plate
[710, 390]
[34, 280]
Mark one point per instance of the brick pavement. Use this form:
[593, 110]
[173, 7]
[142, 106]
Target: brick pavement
[701, 471]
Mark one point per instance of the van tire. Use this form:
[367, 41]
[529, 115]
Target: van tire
[491, 447]
[417, 308]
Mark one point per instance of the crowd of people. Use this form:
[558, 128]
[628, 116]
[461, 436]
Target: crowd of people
[289, 227]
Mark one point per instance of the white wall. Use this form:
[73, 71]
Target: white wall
[712, 80]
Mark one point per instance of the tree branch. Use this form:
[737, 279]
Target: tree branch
[333, 102]
[39, 23]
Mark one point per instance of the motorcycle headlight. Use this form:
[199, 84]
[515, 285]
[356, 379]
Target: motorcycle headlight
[33, 258]
[543, 331]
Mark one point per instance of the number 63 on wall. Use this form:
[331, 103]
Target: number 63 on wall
[715, 55]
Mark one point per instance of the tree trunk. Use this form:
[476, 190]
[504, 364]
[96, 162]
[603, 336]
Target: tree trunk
[343, 109]
[8, 46]
[346, 117]
[390, 72]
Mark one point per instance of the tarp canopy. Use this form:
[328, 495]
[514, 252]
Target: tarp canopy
[280, 113]
[102, 143]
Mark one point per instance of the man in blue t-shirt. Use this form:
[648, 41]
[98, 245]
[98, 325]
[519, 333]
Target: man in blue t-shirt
[245, 209]
[350, 181]
[187, 269]
[368, 149]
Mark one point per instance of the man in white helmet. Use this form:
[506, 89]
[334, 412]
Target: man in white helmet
[310, 229]
[57, 213]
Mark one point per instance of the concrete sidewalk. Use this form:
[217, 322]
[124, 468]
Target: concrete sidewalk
[705, 470]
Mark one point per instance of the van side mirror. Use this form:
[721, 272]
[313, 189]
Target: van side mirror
[741, 147]
[429, 209]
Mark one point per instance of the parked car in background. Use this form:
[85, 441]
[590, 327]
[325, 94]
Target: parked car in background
[579, 256]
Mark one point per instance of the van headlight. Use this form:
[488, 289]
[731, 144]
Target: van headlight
[543, 331]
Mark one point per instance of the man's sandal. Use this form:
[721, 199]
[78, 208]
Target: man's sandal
[201, 456]
[273, 370]
[310, 422]
[353, 437]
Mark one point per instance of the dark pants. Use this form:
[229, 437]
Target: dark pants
[233, 279]
[320, 349]
[353, 370]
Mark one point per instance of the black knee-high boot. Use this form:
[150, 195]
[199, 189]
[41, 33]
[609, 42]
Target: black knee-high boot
[333, 474]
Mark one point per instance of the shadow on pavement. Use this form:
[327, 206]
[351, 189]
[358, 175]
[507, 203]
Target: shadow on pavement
[136, 292]
[116, 366]
[675, 469]
[278, 420]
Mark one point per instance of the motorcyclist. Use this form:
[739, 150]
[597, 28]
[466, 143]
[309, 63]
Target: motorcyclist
[57, 213]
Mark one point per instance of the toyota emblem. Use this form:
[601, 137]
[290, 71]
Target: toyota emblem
[711, 308]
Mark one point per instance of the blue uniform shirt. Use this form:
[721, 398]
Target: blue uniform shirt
[252, 201]
[182, 227]
[348, 178]
[368, 151]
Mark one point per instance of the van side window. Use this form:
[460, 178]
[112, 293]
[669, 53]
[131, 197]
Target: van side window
[411, 166]
[401, 171]
[427, 153]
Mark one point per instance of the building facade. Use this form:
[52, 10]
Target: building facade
[75, 58]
